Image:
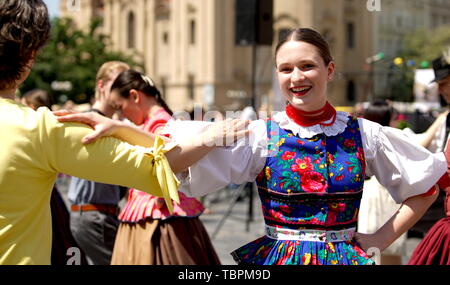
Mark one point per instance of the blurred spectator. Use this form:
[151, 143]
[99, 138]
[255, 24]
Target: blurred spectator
[94, 205]
[377, 206]
[37, 98]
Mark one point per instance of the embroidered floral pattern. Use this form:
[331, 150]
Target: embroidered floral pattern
[310, 183]
[313, 182]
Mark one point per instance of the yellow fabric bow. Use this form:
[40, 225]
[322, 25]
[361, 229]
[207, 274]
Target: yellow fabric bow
[167, 180]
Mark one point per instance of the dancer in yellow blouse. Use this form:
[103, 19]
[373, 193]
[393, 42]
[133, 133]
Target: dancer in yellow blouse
[34, 146]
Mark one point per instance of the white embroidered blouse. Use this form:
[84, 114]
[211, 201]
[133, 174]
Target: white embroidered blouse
[403, 167]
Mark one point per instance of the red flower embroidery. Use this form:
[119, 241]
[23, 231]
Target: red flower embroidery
[313, 182]
[301, 166]
[360, 154]
[340, 177]
[285, 209]
[349, 143]
[288, 155]
[276, 215]
[360, 252]
[300, 142]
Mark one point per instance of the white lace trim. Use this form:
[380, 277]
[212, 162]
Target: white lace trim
[338, 127]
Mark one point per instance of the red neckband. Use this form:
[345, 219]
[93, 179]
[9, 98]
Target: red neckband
[306, 119]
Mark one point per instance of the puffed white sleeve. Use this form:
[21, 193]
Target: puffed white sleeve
[404, 168]
[223, 165]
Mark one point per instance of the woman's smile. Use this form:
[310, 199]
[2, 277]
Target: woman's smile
[300, 91]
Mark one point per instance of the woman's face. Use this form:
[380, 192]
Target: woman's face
[129, 107]
[303, 75]
[444, 88]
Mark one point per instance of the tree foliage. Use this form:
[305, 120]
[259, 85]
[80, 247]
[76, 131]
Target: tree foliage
[419, 50]
[71, 55]
[425, 45]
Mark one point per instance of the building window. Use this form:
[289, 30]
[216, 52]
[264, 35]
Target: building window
[399, 21]
[131, 31]
[350, 35]
[351, 91]
[191, 87]
[98, 7]
[192, 32]
[73, 5]
[165, 38]
[163, 86]
[162, 10]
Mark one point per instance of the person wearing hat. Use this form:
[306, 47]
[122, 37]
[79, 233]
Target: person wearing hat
[434, 249]
[441, 67]
[436, 143]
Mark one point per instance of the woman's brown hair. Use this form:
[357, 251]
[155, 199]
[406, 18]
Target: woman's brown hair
[24, 29]
[311, 37]
[132, 79]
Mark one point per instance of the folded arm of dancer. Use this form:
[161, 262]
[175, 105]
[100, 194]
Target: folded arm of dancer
[36, 147]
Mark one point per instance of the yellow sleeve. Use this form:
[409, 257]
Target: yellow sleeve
[108, 160]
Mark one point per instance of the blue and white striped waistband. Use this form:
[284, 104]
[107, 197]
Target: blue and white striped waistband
[310, 235]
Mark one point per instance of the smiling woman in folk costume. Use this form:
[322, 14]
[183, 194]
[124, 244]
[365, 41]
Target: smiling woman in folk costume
[310, 162]
[310, 182]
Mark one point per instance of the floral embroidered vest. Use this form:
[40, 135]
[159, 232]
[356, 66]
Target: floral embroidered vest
[313, 183]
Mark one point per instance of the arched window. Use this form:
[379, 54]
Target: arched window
[350, 35]
[351, 91]
[131, 30]
[193, 30]
[191, 87]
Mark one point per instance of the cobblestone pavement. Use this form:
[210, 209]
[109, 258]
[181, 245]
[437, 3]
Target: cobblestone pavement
[233, 232]
[230, 229]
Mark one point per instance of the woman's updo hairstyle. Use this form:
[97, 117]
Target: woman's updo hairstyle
[308, 36]
[132, 79]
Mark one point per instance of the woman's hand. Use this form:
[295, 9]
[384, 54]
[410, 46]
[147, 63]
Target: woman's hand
[102, 126]
[370, 243]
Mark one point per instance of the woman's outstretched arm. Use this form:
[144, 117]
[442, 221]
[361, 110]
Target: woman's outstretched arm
[181, 156]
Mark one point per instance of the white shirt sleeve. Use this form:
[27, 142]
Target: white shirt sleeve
[439, 140]
[403, 167]
[223, 165]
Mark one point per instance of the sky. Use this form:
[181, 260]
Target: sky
[53, 7]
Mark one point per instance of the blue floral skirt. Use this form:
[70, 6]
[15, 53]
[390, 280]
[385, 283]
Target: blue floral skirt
[267, 251]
